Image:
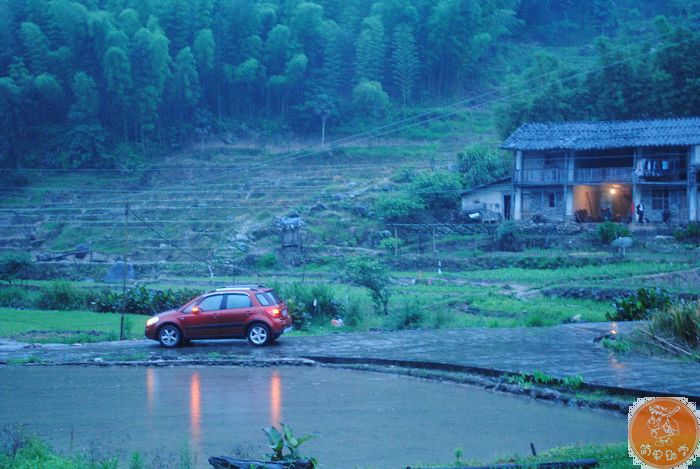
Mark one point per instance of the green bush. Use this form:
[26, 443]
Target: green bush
[681, 321]
[374, 276]
[266, 261]
[639, 305]
[508, 238]
[309, 304]
[391, 244]
[396, 205]
[141, 300]
[410, 315]
[15, 266]
[61, 295]
[437, 189]
[608, 231]
[690, 233]
[15, 297]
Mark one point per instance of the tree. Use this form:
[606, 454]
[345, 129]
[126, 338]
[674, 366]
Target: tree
[278, 49]
[369, 57]
[305, 25]
[86, 100]
[51, 94]
[369, 99]
[324, 107]
[438, 189]
[396, 205]
[480, 164]
[116, 67]
[36, 47]
[205, 50]
[186, 87]
[369, 273]
[404, 62]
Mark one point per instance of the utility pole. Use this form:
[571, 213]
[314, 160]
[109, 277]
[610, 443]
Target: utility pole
[124, 270]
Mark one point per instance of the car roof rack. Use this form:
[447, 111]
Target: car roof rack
[240, 287]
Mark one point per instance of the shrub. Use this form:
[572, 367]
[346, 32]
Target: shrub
[140, 300]
[508, 238]
[411, 314]
[372, 275]
[681, 321]
[266, 261]
[639, 305]
[14, 297]
[437, 189]
[481, 164]
[61, 295]
[690, 233]
[397, 205]
[310, 303]
[391, 244]
[15, 266]
[353, 314]
[608, 231]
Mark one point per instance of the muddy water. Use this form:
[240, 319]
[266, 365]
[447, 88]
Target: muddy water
[361, 419]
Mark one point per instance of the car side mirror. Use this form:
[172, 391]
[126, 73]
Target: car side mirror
[196, 310]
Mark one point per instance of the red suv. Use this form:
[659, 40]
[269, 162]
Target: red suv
[237, 312]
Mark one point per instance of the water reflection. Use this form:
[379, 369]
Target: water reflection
[150, 388]
[275, 398]
[195, 409]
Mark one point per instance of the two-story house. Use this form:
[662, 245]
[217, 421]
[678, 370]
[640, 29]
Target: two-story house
[593, 171]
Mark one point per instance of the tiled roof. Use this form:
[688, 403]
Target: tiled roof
[600, 135]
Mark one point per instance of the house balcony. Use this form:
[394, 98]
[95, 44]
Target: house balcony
[619, 175]
[603, 175]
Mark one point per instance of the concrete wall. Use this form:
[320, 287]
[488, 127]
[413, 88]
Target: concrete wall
[491, 196]
[535, 201]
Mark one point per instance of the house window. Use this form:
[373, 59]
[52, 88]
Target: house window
[659, 199]
[552, 200]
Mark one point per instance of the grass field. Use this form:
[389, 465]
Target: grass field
[66, 326]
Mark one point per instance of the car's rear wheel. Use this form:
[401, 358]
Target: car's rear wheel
[259, 334]
[169, 336]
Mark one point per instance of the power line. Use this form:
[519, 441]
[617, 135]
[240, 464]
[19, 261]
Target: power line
[165, 238]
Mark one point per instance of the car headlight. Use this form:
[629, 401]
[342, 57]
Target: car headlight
[152, 321]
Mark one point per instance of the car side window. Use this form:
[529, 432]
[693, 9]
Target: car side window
[237, 300]
[211, 303]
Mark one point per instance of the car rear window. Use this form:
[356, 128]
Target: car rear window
[273, 296]
[263, 299]
[237, 300]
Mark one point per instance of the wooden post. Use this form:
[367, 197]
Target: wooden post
[396, 241]
[124, 270]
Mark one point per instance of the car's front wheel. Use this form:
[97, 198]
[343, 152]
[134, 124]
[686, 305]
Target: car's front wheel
[259, 334]
[169, 336]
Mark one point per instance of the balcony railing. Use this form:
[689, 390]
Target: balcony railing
[581, 176]
[540, 176]
[584, 175]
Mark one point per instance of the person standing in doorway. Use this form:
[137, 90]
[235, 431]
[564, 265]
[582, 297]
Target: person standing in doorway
[640, 212]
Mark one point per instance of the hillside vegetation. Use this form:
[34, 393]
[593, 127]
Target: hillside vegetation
[88, 84]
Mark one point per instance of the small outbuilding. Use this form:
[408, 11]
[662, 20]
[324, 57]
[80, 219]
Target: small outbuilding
[493, 201]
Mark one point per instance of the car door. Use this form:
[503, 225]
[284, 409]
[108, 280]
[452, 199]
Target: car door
[238, 308]
[207, 323]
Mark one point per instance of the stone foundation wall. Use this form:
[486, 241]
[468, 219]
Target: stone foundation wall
[656, 200]
[538, 202]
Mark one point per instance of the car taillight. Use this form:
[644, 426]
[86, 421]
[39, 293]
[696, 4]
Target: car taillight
[274, 312]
